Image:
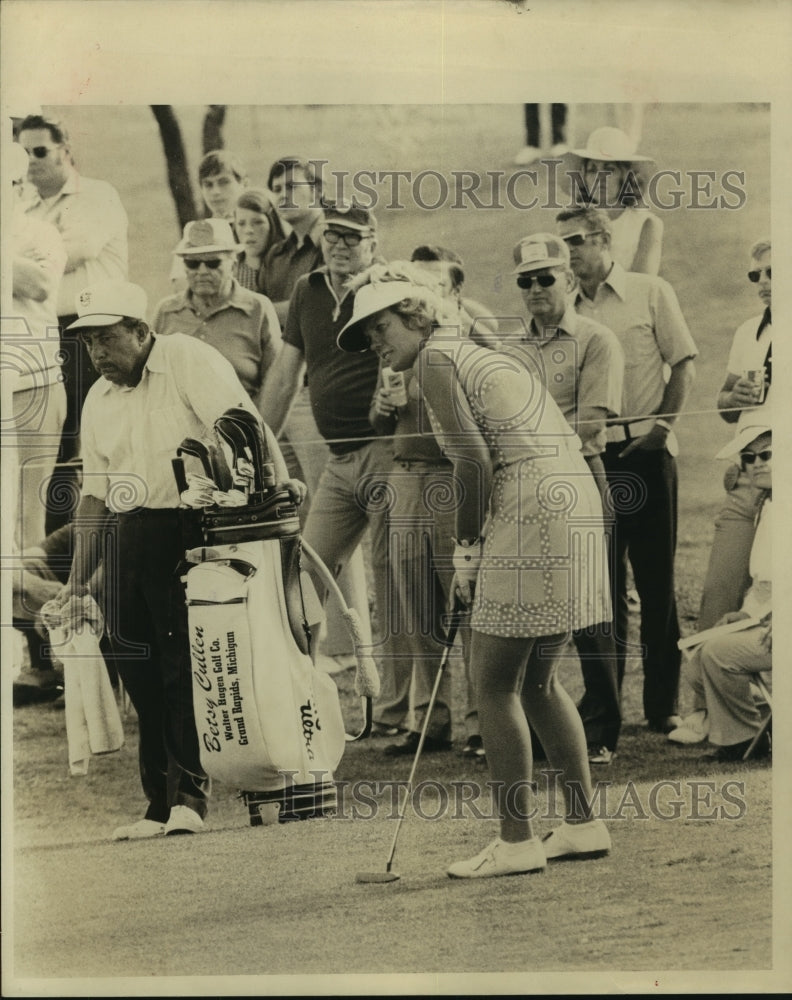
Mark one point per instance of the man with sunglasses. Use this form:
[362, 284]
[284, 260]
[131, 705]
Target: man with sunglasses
[746, 389]
[93, 224]
[340, 386]
[216, 309]
[644, 313]
[741, 400]
[581, 363]
[720, 670]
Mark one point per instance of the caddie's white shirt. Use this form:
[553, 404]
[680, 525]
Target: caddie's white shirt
[91, 219]
[748, 354]
[130, 434]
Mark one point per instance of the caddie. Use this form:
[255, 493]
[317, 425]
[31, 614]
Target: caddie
[153, 392]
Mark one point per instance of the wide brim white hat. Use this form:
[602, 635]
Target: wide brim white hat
[744, 436]
[369, 300]
[610, 145]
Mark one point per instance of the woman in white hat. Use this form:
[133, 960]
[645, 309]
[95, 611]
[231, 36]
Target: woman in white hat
[529, 552]
[614, 176]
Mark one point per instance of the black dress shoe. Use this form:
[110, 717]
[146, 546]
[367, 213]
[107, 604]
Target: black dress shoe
[735, 751]
[409, 745]
[664, 724]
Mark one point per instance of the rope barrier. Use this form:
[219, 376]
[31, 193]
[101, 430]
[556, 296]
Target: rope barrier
[609, 423]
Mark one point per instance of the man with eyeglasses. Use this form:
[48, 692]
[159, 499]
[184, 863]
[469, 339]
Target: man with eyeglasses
[644, 313]
[742, 397]
[581, 364]
[93, 224]
[240, 324]
[340, 386]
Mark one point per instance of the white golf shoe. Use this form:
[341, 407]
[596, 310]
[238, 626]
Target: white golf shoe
[501, 858]
[694, 728]
[140, 830]
[577, 841]
[182, 819]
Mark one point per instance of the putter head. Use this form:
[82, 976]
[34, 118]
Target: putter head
[366, 877]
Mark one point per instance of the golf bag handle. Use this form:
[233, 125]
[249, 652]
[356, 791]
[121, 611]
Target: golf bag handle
[367, 682]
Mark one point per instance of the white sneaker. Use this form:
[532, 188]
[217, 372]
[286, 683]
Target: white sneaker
[559, 149]
[500, 858]
[577, 840]
[694, 728]
[139, 831]
[182, 819]
[528, 154]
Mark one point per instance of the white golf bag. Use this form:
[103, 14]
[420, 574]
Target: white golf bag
[269, 722]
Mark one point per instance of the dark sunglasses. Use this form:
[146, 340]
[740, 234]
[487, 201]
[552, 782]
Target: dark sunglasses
[578, 239]
[193, 264]
[749, 457]
[40, 152]
[351, 240]
[754, 276]
[543, 280]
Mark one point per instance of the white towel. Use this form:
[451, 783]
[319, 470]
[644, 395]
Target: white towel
[93, 722]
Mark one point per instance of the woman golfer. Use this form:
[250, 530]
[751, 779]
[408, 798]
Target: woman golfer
[529, 552]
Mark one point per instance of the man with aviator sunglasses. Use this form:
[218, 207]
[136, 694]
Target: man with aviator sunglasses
[581, 363]
[93, 225]
[644, 313]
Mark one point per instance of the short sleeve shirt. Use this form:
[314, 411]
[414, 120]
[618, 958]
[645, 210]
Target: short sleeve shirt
[582, 365]
[288, 260]
[644, 313]
[244, 329]
[130, 435]
[340, 385]
[749, 352]
[91, 219]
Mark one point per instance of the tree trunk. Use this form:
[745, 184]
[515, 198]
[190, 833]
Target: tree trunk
[176, 160]
[213, 128]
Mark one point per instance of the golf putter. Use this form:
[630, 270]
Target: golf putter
[389, 875]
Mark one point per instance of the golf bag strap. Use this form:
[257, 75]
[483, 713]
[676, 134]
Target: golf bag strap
[367, 682]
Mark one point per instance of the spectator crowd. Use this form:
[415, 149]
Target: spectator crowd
[432, 485]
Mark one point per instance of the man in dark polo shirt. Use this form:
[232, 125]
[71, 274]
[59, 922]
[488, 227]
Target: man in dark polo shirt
[349, 496]
[297, 189]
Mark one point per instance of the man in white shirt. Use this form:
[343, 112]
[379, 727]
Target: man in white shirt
[91, 219]
[740, 400]
[153, 392]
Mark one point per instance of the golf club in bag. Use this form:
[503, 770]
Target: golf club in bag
[389, 875]
[269, 722]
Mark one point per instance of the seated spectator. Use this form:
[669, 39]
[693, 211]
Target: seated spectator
[720, 670]
[240, 324]
[258, 227]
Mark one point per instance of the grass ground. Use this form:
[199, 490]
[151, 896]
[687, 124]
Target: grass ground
[677, 894]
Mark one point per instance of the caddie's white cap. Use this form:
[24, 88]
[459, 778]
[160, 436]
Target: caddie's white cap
[108, 302]
[743, 437]
[540, 250]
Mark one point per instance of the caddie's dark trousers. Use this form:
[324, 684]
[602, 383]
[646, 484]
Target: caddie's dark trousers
[644, 495]
[145, 609]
